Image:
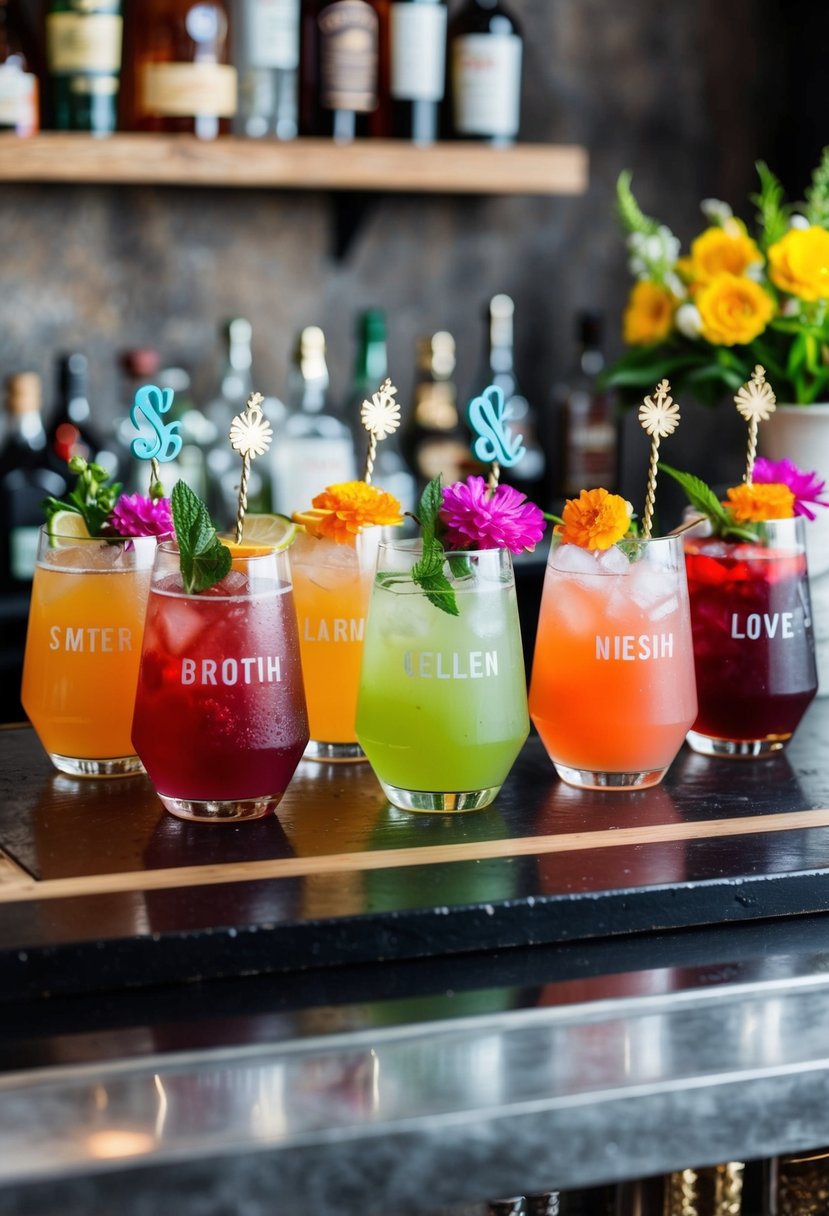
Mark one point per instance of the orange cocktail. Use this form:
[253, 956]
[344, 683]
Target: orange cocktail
[613, 691]
[332, 586]
[83, 649]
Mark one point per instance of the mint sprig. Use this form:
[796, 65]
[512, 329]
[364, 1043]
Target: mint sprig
[427, 573]
[203, 559]
[93, 496]
[703, 498]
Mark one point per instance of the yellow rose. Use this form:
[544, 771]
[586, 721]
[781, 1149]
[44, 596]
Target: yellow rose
[649, 314]
[733, 310]
[799, 263]
[723, 251]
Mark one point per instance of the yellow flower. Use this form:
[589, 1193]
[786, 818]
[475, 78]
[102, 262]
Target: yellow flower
[343, 510]
[594, 520]
[723, 251]
[752, 503]
[649, 314]
[733, 310]
[799, 263]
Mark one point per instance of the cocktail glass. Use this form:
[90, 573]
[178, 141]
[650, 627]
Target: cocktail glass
[442, 709]
[612, 691]
[332, 586]
[754, 648]
[83, 648]
[220, 720]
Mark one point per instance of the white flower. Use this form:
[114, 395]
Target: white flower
[716, 211]
[798, 221]
[688, 321]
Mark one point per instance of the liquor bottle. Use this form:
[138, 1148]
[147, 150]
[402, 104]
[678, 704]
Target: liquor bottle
[19, 91]
[485, 52]
[179, 77]
[589, 428]
[391, 473]
[499, 369]
[28, 473]
[435, 440]
[343, 68]
[83, 55]
[266, 55]
[312, 448]
[71, 432]
[417, 68]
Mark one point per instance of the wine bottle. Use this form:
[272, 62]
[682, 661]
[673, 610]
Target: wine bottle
[485, 53]
[83, 55]
[417, 68]
[344, 68]
[434, 439]
[589, 427]
[19, 92]
[266, 55]
[71, 431]
[179, 78]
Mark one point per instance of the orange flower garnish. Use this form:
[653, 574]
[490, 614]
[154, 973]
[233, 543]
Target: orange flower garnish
[752, 503]
[594, 520]
[343, 510]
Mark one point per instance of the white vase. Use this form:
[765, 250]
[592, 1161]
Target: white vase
[801, 433]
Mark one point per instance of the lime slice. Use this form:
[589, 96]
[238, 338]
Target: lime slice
[275, 531]
[66, 525]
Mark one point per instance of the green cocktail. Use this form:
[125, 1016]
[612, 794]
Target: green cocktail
[442, 711]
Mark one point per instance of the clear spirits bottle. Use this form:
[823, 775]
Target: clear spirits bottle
[266, 55]
[19, 90]
[417, 68]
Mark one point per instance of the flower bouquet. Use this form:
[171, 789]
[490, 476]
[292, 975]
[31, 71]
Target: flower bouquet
[704, 319]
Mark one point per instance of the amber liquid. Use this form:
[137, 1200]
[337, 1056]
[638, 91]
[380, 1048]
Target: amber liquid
[343, 92]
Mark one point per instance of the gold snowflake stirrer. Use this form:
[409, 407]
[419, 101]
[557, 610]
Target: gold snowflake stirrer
[380, 417]
[756, 402]
[250, 436]
[659, 418]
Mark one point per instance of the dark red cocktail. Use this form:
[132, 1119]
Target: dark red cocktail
[754, 652]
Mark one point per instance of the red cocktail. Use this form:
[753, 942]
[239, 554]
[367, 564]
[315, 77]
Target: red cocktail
[753, 645]
[220, 721]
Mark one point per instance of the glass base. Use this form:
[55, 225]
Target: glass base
[736, 749]
[593, 779]
[333, 753]
[229, 810]
[437, 803]
[112, 766]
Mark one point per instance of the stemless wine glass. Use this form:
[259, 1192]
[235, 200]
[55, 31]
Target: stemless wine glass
[83, 648]
[332, 585]
[754, 649]
[442, 708]
[612, 691]
[220, 720]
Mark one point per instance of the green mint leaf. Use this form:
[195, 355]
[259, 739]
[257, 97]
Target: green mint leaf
[427, 573]
[203, 559]
[438, 591]
[431, 501]
[700, 496]
[459, 564]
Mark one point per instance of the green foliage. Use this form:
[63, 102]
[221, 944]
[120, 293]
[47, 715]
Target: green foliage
[204, 560]
[817, 195]
[630, 213]
[772, 212]
[703, 499]
[93, 496]
[427, 573]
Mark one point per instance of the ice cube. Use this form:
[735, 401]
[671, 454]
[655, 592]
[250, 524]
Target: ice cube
[650, 586]
[234, 583]
[663, 609]
[613, 561]
[180, 623]
[572, 559]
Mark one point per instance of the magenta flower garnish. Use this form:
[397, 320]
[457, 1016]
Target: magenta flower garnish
[807, 487]
[135, 515]
[474, 520]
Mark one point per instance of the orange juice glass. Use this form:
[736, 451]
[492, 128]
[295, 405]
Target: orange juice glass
[83, 648]
[332, 587]
[613, 691]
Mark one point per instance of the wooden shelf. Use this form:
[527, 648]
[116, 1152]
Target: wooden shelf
[381, 165]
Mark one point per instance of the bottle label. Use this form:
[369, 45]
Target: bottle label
[185, 90]
[18, 99]
[418, 51]
[349, 36]
[99, 86]
[303, 467]
[486, 73]
[77, 42]
[23, 552]
[272, 34]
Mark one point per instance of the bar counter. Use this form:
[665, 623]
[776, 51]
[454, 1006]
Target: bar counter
[345, 1008]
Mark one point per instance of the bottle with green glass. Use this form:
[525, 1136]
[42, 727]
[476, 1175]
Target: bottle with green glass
[83, 55]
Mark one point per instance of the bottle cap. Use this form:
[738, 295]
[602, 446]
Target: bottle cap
[23, 393]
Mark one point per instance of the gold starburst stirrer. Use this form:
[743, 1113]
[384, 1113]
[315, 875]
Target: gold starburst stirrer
[659, 418]
[756, 402]
[250, 436]
[380, 417]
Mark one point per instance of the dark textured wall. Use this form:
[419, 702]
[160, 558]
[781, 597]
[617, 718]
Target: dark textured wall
[688, 95]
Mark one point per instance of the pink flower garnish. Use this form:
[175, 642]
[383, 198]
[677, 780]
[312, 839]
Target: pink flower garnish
[806, 486]
[473, 520]
[135, 515]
